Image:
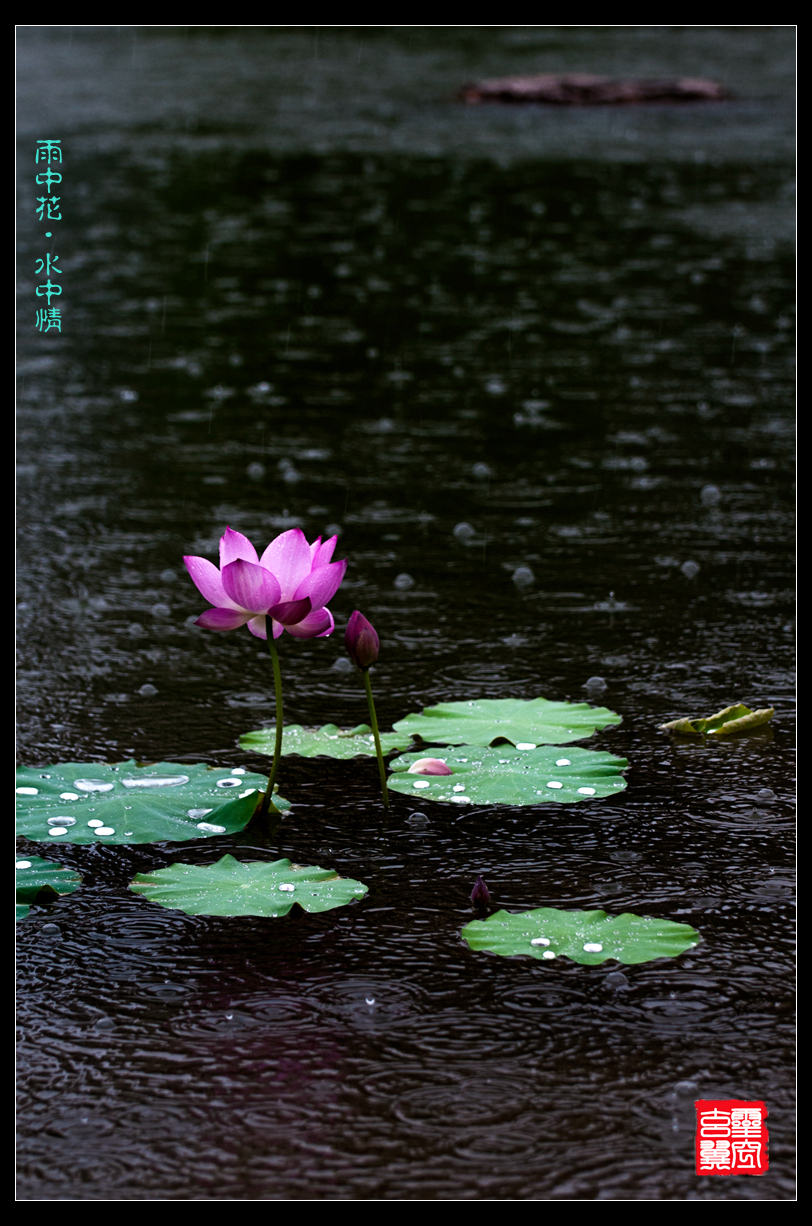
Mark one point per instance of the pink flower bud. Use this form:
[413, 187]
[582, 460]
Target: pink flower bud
[429, 766]
[361, 641]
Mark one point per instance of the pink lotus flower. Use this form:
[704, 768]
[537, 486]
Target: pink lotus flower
[291, 583]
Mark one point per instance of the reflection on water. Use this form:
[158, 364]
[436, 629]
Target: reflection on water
[542, 393]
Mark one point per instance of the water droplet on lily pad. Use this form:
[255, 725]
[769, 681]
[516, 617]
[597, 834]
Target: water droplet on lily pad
[155, 781]
[61, 821]
[592, 947]
[540, 941]
[93, 785]
[210, 828]
[27, 791]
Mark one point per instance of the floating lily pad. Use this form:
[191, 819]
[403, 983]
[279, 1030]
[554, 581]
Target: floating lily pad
[22, 911]
[508, 776]
[86, 802]
[588, 937]
[328, 741]
[259, 888]
[728, 722]
[486, 720]
[43, 880]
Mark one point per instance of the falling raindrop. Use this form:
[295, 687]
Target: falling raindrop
[595, 685]
[156, 781]
[616, 979]
[710, 496]
[256, 471]
[464, 532]
[417, 819]
[482, 471]
[92, 785]
[523, 576]
[403, 582]
[370, 1000]
[690, 569]
[341, 665]
[148, 691]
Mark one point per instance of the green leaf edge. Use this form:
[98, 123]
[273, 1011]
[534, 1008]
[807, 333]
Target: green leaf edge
[729, 721]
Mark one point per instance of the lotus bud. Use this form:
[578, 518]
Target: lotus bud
[480, 896]
[429, 766]
[361, 641]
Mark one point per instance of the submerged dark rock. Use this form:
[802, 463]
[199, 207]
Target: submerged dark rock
[586, 89]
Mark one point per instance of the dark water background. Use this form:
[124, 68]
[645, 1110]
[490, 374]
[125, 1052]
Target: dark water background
[305, 287]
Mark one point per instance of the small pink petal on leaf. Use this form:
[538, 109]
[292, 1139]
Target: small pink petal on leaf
[429, 766]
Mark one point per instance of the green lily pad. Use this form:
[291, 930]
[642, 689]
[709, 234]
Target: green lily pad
[87, 802]
[44, 879]
[327, 741]
[728, 722]
[22, 911]
[588, 937]
[230, 887]
[508, 776]
[481, 722]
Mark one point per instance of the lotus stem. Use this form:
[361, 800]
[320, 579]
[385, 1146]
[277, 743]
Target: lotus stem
[267, 800]
[374, 722]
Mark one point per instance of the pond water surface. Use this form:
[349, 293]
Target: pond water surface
[538, 363]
